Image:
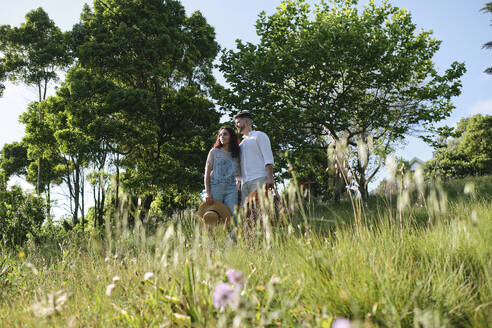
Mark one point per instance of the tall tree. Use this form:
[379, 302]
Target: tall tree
[40, 142]
[85, 132]
[488, 45]
[32, 54]
[159, 62]
[335, 73]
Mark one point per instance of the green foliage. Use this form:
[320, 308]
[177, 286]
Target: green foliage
[13, 159]
[171, 201]
[145, 70]
[488, 45]
[41, 145]
[32, 54]
[468, 154]
[320, 182]
[335, 72]
[34, 51]
[21, 214]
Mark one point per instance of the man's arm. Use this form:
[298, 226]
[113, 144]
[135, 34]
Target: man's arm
[269, 181]
[266, 150]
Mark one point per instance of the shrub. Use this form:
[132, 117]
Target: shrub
[20, 214]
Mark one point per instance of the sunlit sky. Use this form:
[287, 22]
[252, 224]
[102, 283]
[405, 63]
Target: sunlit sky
[460, 24]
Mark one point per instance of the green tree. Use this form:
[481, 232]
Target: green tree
[158, 63]
[13, 159]
[477, 143]
[488, 45]
[85, 133]
[20, 214]
[468, 153]
[335, 73]
[32, 54]
[40, 143]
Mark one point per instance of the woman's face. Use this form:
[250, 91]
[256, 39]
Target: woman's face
[224, 137]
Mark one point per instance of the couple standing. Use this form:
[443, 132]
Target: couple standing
[232, 165]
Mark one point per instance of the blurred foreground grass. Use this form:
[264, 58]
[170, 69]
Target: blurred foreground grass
[420, 264]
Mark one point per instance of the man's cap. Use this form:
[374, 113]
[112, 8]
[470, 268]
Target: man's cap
[243, 114]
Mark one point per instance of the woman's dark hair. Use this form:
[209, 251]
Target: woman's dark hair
[234, 141]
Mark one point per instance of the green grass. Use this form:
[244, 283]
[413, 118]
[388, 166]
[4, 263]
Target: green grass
[381, 269]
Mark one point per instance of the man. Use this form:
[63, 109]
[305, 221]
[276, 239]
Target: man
[256, 156]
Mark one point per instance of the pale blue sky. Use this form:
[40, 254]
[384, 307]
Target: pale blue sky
[460, 24]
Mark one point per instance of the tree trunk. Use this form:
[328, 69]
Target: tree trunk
[96, 221]
[101, 196]
[116, 203]
[82, 203]
[38, 179]
[146, 207]
[339, 187]
[76, 193]
[48, 201]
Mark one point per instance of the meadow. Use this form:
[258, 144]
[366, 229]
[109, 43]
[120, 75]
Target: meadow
[420, 258]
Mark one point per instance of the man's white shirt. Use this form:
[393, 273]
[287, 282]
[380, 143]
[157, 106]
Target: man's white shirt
[256, 152]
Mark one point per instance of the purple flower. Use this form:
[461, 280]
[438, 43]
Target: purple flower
[341, 323]
[223, 295]
[235, 277]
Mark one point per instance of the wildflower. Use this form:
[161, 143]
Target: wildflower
[469, 188]
[21, 255]
[223, 295]
[109, 289]
[235, 277]
[148, 276]
[54, 303]
[116, 279]
[341, 323]
[106, 259]
[391, 164]
[275, 280]
[32, 267]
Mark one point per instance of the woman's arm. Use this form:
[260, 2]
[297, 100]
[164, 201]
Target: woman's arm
[208, 193]
[208, 173]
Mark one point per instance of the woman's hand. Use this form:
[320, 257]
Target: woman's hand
[209, 200]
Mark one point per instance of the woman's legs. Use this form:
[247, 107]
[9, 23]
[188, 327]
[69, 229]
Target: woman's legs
[227, 194]
[230, 199]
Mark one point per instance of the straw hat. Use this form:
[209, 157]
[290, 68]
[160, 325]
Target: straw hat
[215, 213]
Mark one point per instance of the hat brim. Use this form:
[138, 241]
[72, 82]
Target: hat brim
[220, 208]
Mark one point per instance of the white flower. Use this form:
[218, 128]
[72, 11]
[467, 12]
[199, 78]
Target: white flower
[109, 289]
[32, 267]
[148, 276]
[53, 303]
[469, 188]
[116, 279]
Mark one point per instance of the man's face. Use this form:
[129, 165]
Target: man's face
[240, 125]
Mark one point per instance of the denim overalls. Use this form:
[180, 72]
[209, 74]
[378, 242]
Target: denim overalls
[223, 183]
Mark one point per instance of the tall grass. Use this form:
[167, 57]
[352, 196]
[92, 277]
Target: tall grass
[389, 267]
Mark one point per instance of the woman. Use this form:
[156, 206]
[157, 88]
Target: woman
[222, 170]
